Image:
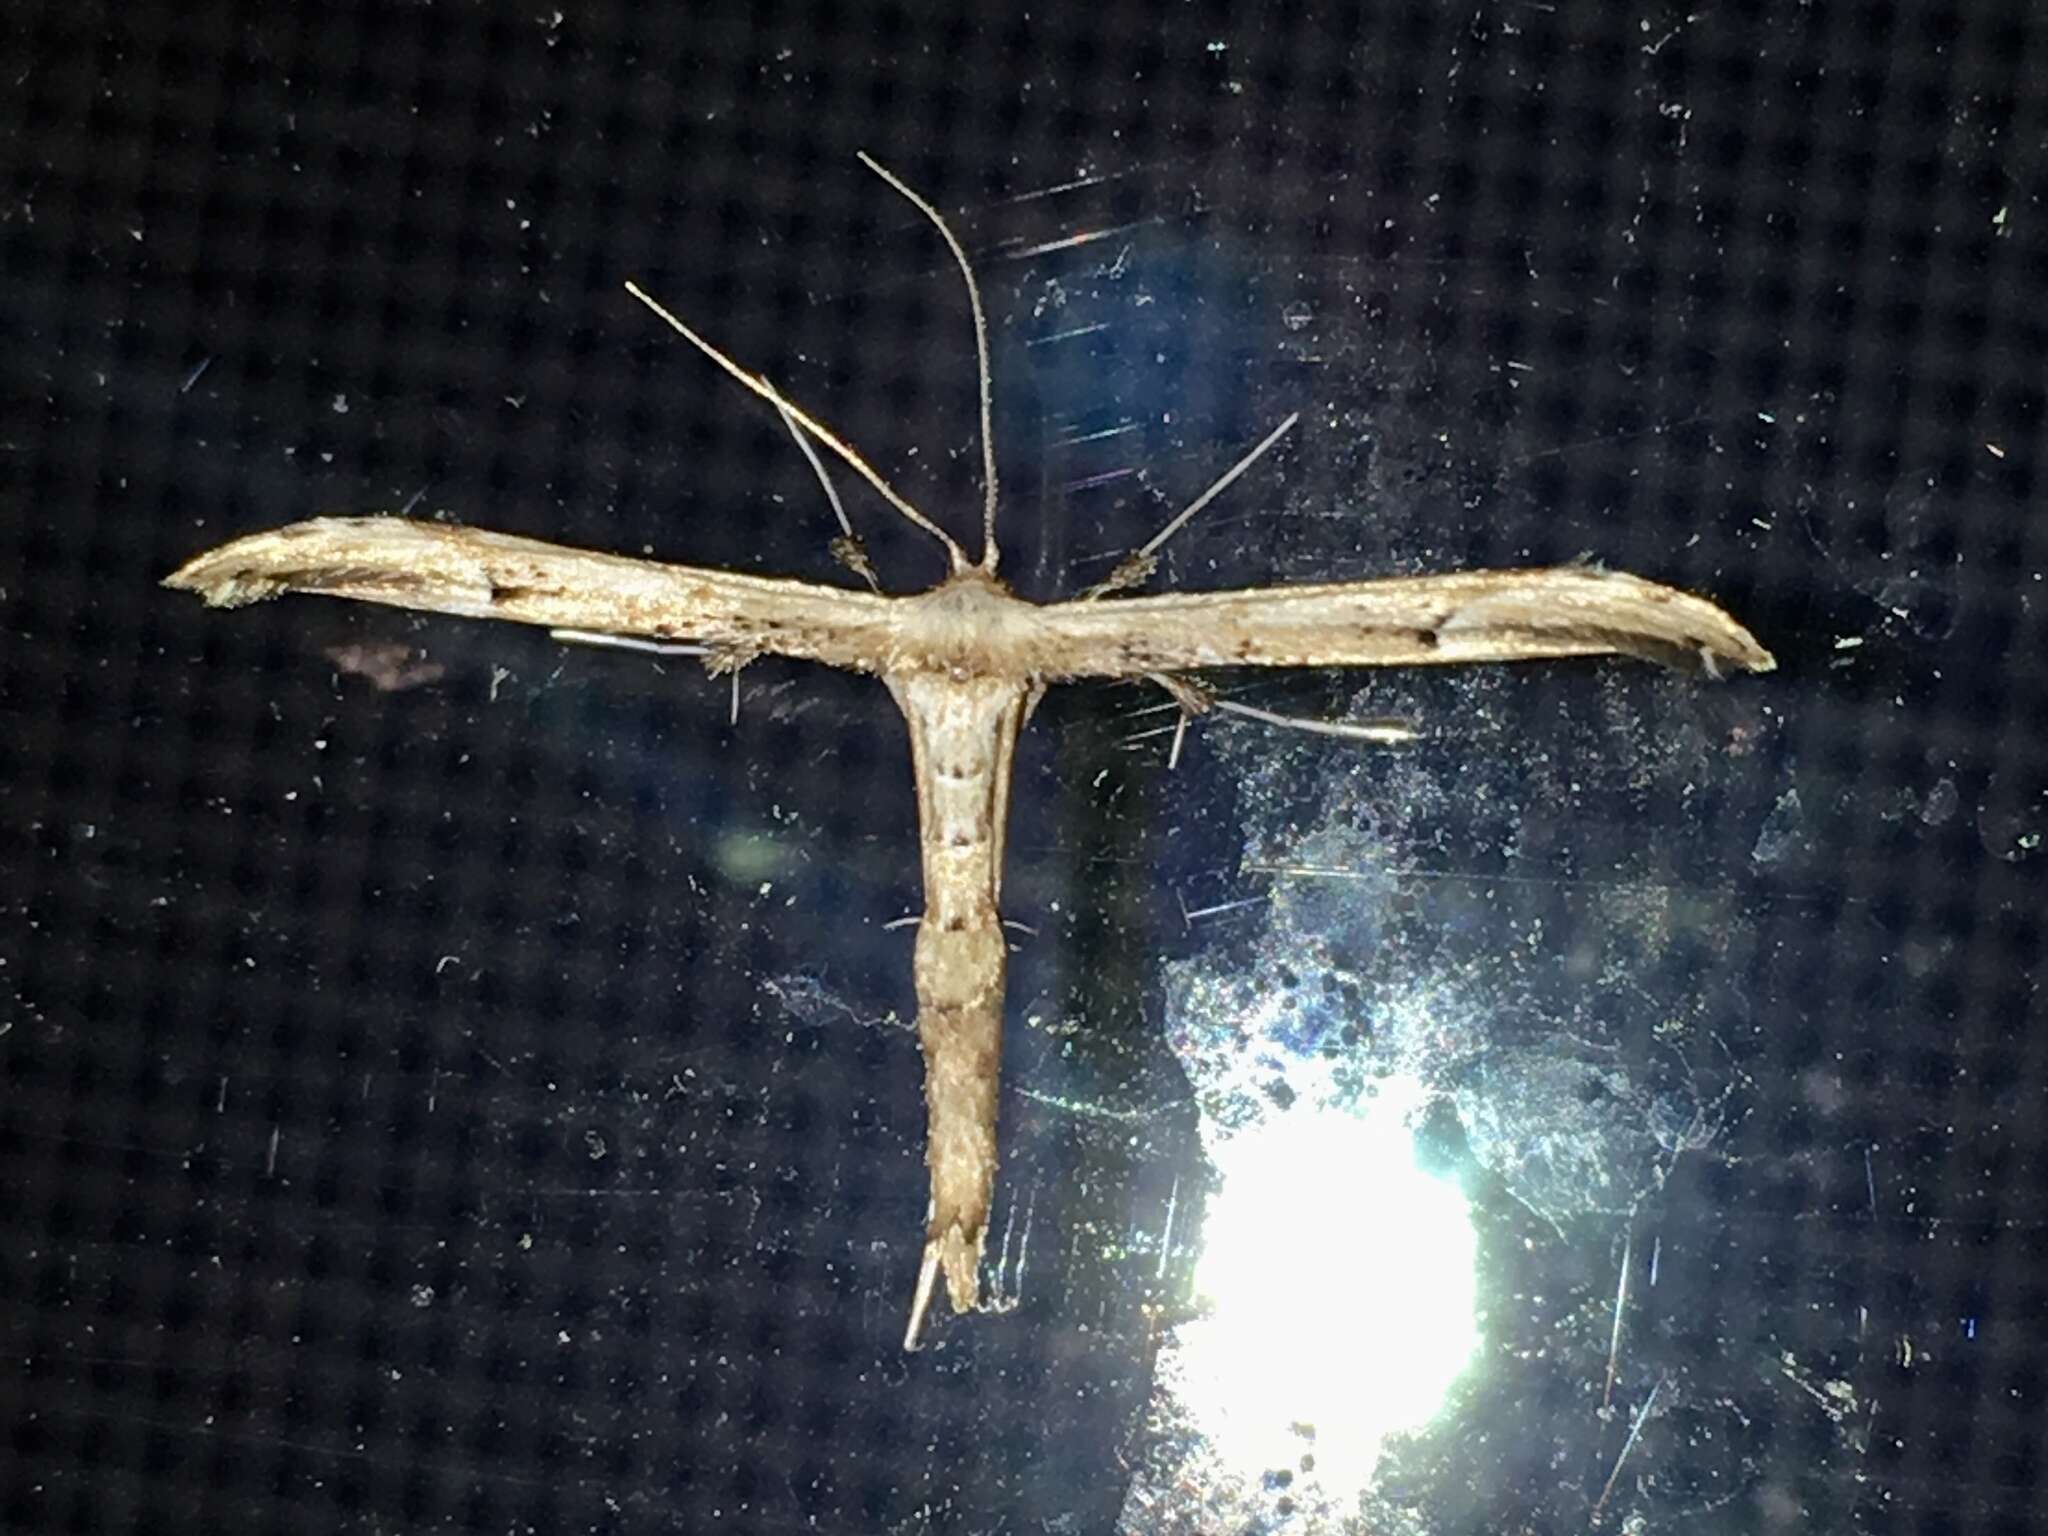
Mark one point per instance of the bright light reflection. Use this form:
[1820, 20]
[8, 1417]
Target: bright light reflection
[1340, 1286]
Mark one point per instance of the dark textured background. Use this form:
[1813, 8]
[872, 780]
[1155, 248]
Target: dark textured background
[485, 1105]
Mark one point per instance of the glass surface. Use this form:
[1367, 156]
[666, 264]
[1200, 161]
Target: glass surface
[455, 1080]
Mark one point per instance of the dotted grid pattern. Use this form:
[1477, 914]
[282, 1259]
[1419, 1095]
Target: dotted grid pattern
[428, 1110]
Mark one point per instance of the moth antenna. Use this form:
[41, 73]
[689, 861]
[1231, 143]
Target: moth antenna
[989, 553]
[852, 552]
[823, 434]
[927, 1277]
[1135, 567]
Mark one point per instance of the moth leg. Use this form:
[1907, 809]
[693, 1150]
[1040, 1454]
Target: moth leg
[850, 552]
[847, 549]
[1131, 572]
[1136, 568]
[921, 1299]
[627, 642]
[729, 661]
[1194, 700]
[1385, 731]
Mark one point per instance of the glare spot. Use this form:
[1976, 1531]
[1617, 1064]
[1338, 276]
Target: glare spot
[1338, 1283]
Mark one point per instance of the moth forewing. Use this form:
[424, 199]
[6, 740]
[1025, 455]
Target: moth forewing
[447, 568]
[1399, 621]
